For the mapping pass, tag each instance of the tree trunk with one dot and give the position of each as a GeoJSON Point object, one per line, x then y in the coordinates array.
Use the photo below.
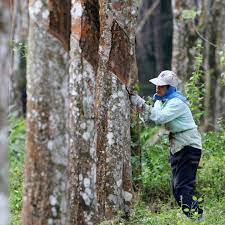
{"type": "Point", "coordinates": [102, 55]}
{"type": "Point", "coordinates": [45, 200]}
{"type": "Point", "coordinates": [18, 60]}
{"type": "Point", "coordinates": [116, 60]}
{"type": "Point", "coordinates": [4, 84]}
{"type": "Point", "coordinates": [82, 143]}
{"type": "Point", "coordinates": [184, 39]}
{"type": "Point", "coordinates": [215, 93]}
{"type": "Point", "coordinates": [154, 41]}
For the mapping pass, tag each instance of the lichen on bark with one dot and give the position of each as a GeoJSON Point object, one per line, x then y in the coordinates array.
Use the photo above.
{"type": "Point", "coordinates": [45, 200]}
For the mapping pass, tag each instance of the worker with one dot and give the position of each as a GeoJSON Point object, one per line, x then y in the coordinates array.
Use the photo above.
{"type": "Point", "coordinates": [171, 109]}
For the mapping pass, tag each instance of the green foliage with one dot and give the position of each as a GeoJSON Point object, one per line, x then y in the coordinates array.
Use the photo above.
{"type": "Point", "coordinates": [154, 164]}
{"type": "Point", "coordinates": [142, 215]}
{"type": "Point", "coordinates": [19, 47]}
{"type": "Point", "coordinates": [16, 167]}
{"type": "Point", "coordinates": [194, 88]}
{"type": "Point", "coordinates": [222, 63]}
{"type": "Point", "coordinates": [190, 14]}
{"type": "Point", "coordinates": [222, 57]}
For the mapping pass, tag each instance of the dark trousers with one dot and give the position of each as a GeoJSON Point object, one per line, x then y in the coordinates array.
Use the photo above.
{"type": "Point", "coordinates": [184, 168]}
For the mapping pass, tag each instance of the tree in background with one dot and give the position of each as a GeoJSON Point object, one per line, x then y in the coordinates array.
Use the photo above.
{"type": "Point", "coordinates": [214, 15]}
{"type": "Point", "coordinates": [194, 20]}
{"type": "Point", "coordinates": [154, 40]}
{"type": "Point", "coordinates": [19, 33]}
{"type": "Point", "coordinates": [4, 84]}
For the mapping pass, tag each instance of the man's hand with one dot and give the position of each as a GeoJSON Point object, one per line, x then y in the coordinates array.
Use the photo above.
{"type": "Point", "coordinates": [139, 102]}
{"type": "Point", "coordinates": [141, 110]}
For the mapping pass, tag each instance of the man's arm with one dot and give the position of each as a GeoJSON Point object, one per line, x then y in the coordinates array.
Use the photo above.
{"type": "Point", "coordinates": [173, 109]}
{"type": "Point", "coordinates": [141, 107]}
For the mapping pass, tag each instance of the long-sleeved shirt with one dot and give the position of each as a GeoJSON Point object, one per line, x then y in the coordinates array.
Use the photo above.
{"type": "Point", "coordinates": [178, 120]}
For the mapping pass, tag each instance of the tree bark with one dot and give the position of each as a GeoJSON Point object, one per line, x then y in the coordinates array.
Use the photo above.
{"type": "Point", "coordinates": [85, 32]}
{"type": "Point", "coordinates": [4, 99]}
{"type": "Point", "coordinates": [45, 199]}
{"type": "Point", "coordinates": [117, 60]}
{"type": "Point", "coordinates": [215, 93]}
{"type": "Point", "coordinates": [102, 59]}
{"type": "Point", "coordinates": [184, 39]}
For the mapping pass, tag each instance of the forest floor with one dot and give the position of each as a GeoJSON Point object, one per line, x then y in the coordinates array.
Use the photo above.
{"type": "Point", "coordinates": [154, 203]}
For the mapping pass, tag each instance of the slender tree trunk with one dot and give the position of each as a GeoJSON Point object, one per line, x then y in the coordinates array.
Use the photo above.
{"type": "Point", "coordinates": [154, 41]}
{"type": "Point", "coordinates": [4, 97]}
{"type": "Point", "coordinates": [102, 49]}
{"type": "Point", "coordinates": [215, 93]}
{"type": "Point", "coordinates": [18, 60]}
{"type": "Point", "coordinates": [45, 200]}
{"type": "Point", "coordinates": [184, 39]}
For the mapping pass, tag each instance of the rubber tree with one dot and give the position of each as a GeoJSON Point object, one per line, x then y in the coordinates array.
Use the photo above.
{"type": "Point", "coordinates": [214, 15]}
{"type": "Point", "coordinates": [45, 199]}
{"type": "Point", "coordinates": [184, 39]}
{"type": "Point", "coordinates": [4, 99]}
{"type": "Point", "coordinates": [154, 41]}
{"type": "Point", "coordinates": [102, 62]}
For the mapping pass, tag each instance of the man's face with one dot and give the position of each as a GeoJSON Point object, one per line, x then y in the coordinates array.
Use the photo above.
{"type": "Point", "coordinates": [161, 90]}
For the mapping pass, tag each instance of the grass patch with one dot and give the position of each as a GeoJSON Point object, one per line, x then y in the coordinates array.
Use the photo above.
{"type": "Point", "coordinates": [16, 168]}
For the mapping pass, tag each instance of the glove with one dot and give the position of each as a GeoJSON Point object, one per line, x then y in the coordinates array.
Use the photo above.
{"type": "Point", "coordinates": [137, 101]}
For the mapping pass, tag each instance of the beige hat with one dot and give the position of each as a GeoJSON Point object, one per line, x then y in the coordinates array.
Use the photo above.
{"type": "Point", "coordinates": [166, 77]}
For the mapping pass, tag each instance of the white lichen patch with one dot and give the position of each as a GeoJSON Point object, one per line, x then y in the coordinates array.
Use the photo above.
{"type": "Point", "coordinates": [36, 7]}
{"type": "Point", "coordinates": [110, 138]}
{"type": "Point", "coordinates": [87, 217]}
{"type": "Point", "coordinates": [89, 193]}
{"type": "Point", "coordinates": [86, 198]}
{"type": "Point", "coordinates": [80, 177]}
{"type": "Point", "coordinates": [114, 95]}
{"type": "Point", "coordinates": [34, 114]}
{"type": "Point", "coordinates": [76, 10]}
{"type": "Point", "coordinates": [39, 13]}
{"type": "Point", "coordinates": [50, 221]}
{"type": "Point", "coordinates": [119, 182]}
{"type": "Point", "coordinates": [133, 12]}
{"type": "Point", "coordinates": [83, 125]}
{"type": "Point", "coordinates": [50, 145]}
{"type": "Point", "coordinates": [73, 92]}
{"type": "Point", "coordinates": [120, 94]}
{"type": "Point", "coordinates": [87, 182]}
{"type": "Point", "coordinates": [92, 151]}
{"type": "Point", "coordinates": [86, 136]}
{"type": "Point", "coordinates": [112, 198]}
{"type": "Point", "coordinates": [54, 212]}
{"type": "Point", "coordinates": [45, 14]}
{"type": "Point", "coordinates": [53, 200]}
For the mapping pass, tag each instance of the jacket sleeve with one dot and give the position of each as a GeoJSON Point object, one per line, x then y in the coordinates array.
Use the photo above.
{"type": "Point", "coordinates": [173, 109]}
{"type": "Point", "coordinates": [161, 115]}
